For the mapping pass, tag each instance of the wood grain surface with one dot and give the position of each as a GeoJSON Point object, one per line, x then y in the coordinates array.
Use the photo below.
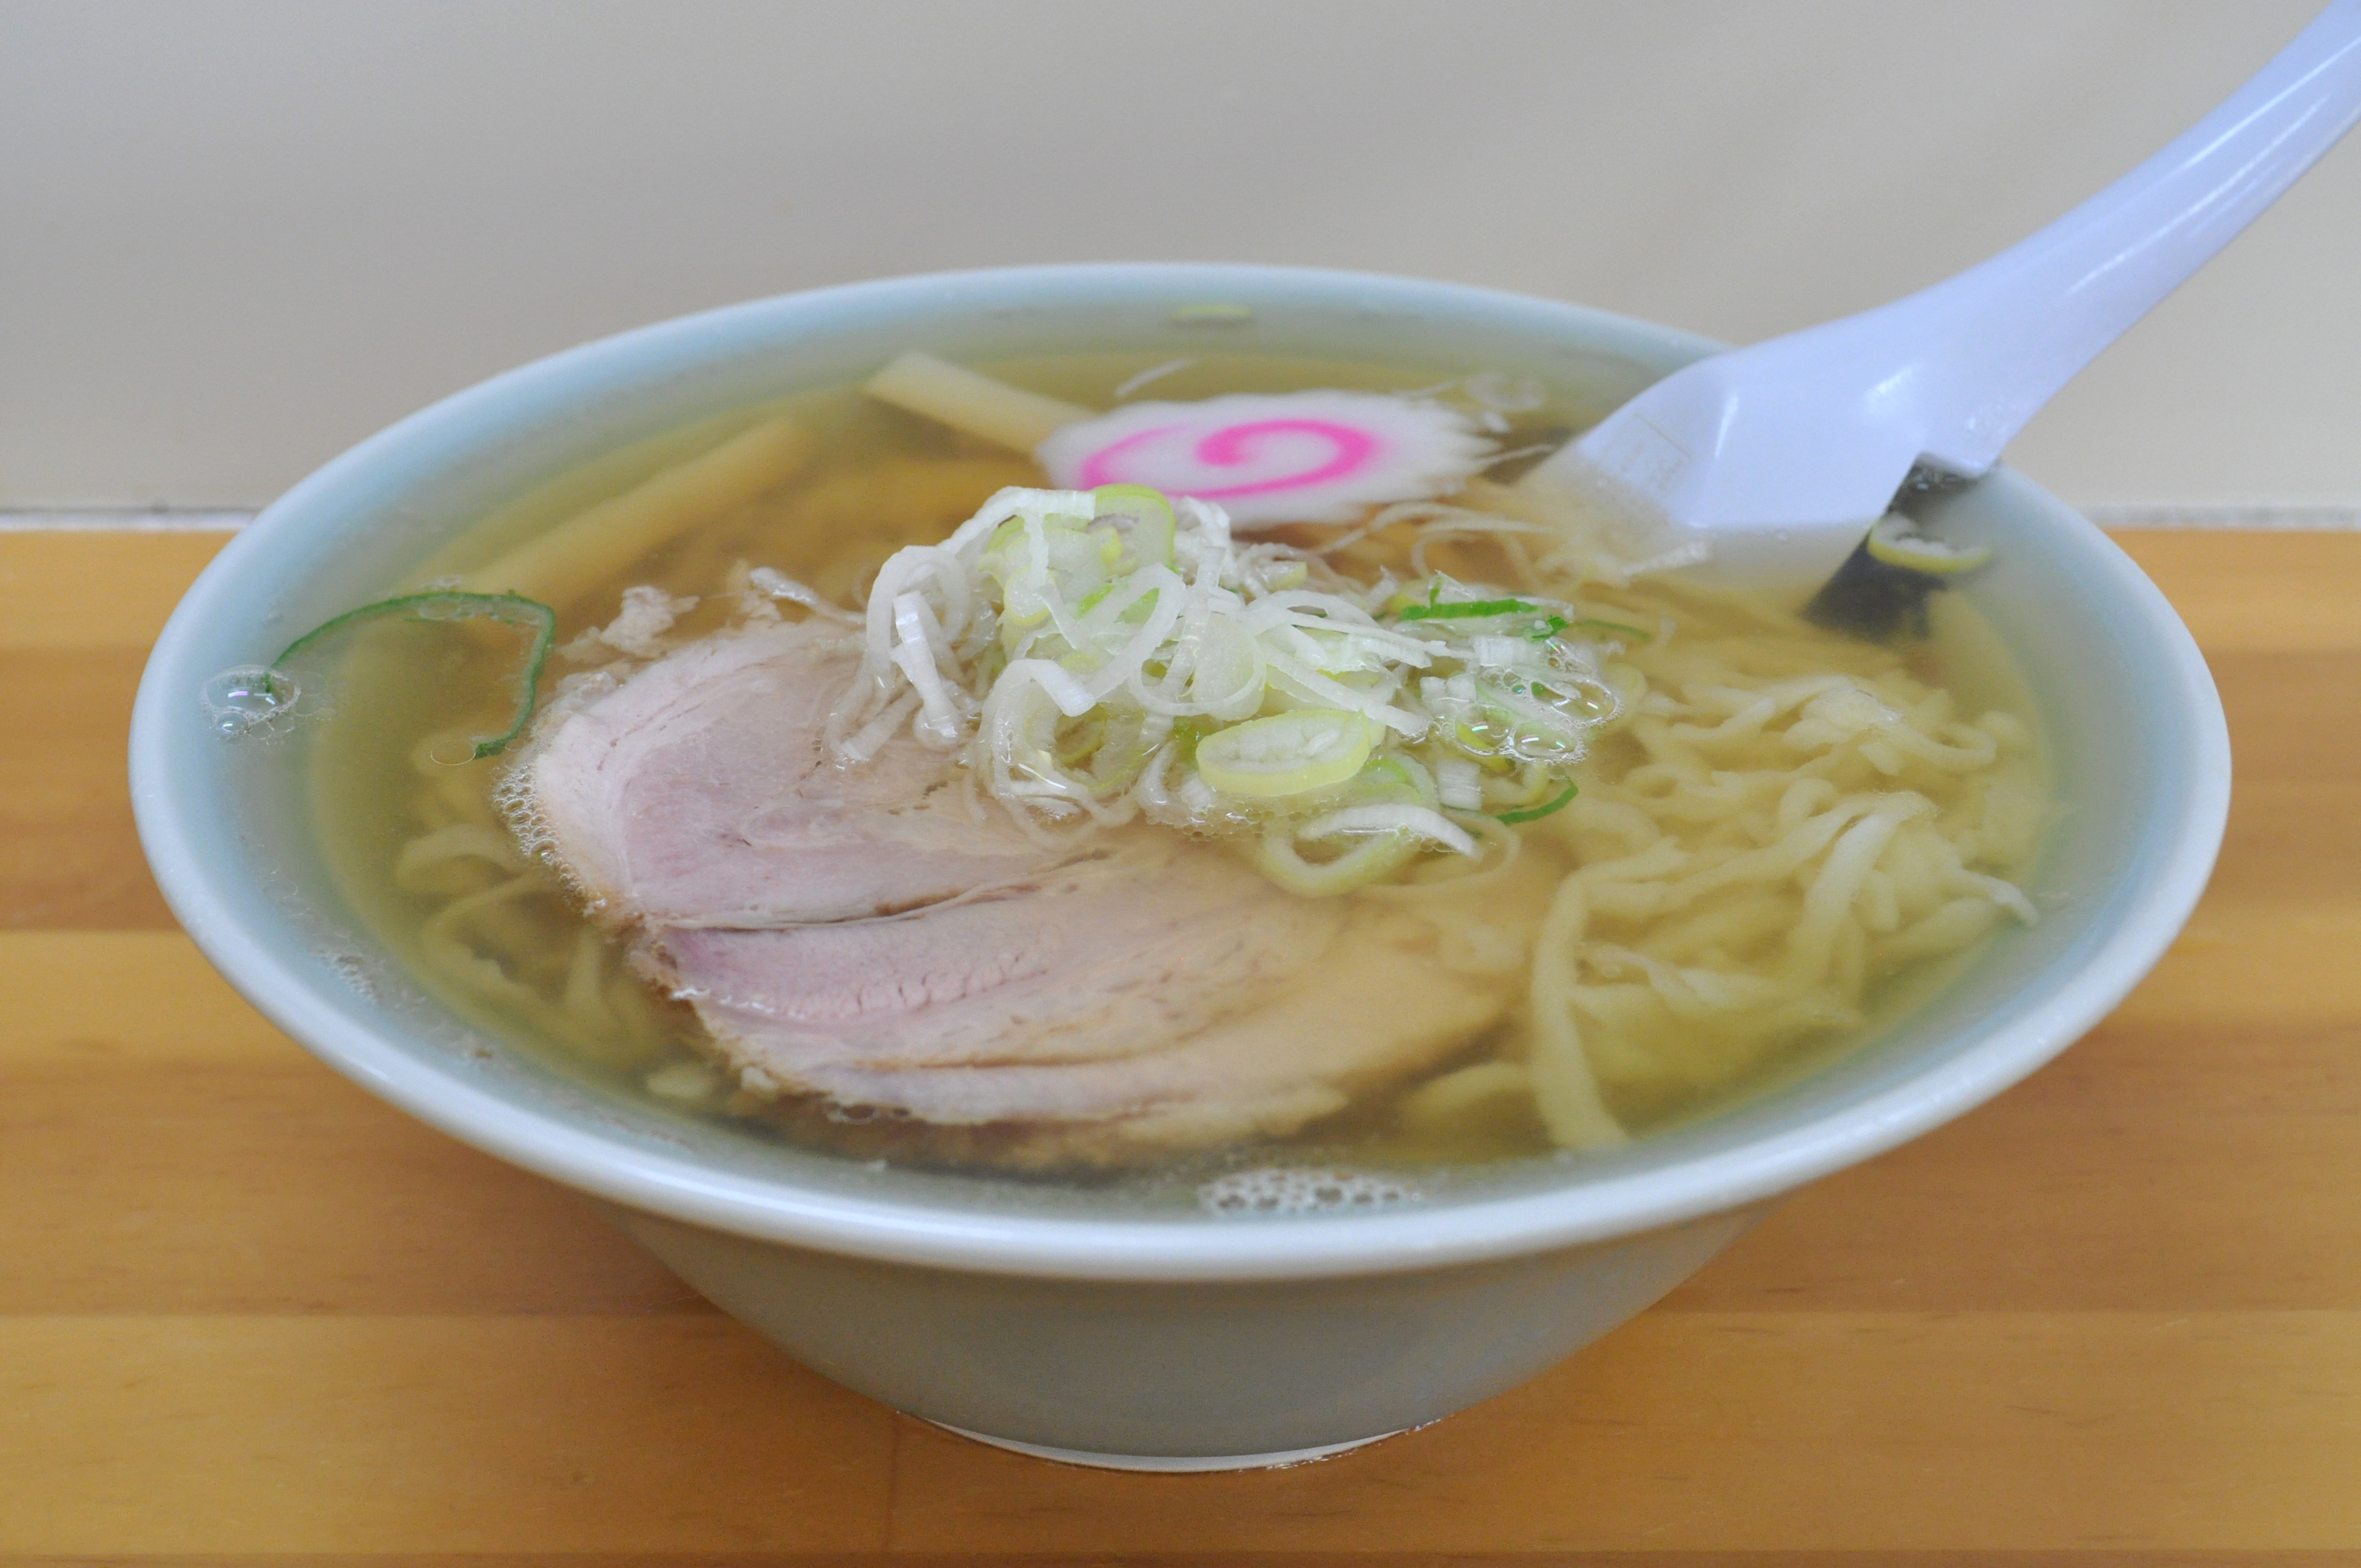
{"type": "Point", "coordinates": [2112, 1318]}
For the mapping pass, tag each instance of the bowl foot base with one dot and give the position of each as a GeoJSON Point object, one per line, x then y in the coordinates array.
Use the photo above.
{"type": "Point", "coordinates": [1169, 1464]}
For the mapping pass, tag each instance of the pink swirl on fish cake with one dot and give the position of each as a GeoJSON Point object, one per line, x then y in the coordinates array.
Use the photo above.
{"type": "Point", "coordinates": [1297, 457]}
{"type": "Point", "coordinates": [1234, 446]}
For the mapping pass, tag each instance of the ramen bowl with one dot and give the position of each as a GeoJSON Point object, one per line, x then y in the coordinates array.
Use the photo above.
{"type": "Point", "coordinates": [1081, 1321]}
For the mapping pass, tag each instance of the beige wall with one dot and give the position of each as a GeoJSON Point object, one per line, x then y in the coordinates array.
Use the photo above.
{"type": "Point", "coordinates": [237, 237]}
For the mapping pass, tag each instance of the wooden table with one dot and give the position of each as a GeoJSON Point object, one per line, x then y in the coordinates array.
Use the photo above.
{"type": "Point", "coordinates": [2115, 1317]}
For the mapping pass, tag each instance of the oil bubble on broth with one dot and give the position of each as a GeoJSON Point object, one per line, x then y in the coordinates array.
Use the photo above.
{"type": "Point", "coordinates": [1439, 830]}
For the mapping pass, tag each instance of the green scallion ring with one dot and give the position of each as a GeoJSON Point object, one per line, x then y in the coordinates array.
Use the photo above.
{"type": "Point", "coordinates": [1893, 542]}
{"type": "Point", "coordinates": [1535, 813]}
{"type": "Point", "coordinates": [511, 610]}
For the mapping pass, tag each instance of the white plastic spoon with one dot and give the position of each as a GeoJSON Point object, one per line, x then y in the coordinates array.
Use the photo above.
{"type": "Point", "coordinates": [1781, 455]}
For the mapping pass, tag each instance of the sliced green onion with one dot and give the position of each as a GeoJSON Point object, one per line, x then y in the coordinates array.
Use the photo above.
{"type": "Point", "coordinates": [1152, 523]}
{"type": "Point", "coordinates": [1425, 821]}
{"type": "Point", "coordinates": [1375, 859]}
{"type": "Point", "coordinates": [1459, 784]}
{"type": "Point", "coordinates": [510, 609]}
{"type": "Point", "coordinates": [1076, 744]}
{"type": "Point", "coordinates": [1535, 813]}
{"type": "Point", "coordinates": [1115, 754]}
{"type": "Point", "coordinates": [1042, 570]}
{"type": "Point", "coordinates": [1295, 753]}
{"type": "Point", "coordinates": [1384, 777]}
{"type": "Point", "coordinates": [1471, 609]}
{"type": "Point", "coordinates": [1548, 628]}
{"type": "Point", "coordinates": [1893, 542]}
{"type": "Point", "coordinates": [1531, 783]}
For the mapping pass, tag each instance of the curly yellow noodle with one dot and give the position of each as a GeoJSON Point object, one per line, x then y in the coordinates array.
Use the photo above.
{"type": "Point", "coordinates": [1779, 821]}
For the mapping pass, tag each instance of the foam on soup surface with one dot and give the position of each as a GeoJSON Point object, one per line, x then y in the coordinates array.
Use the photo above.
{"type": "Point", "coordinates": [725, 875]}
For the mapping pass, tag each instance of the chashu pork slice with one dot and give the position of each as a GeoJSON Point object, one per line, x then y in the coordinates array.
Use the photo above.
{"type": "Point", "coordinates": [1374, 1015]}
{"type": "Point", "coordinates": [699, 793]}
{"type": "Point", "coordinates": [1143, 939]}
{"type": "Point", "coordinates": [864, 936]}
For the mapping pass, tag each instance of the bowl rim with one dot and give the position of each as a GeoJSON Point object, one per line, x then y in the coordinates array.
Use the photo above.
{"type": "Point", "coordinates": [1598, 1208]}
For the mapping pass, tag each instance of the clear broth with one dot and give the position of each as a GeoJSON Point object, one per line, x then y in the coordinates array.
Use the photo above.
{"type": "Point", "coordinates": [883, 478]}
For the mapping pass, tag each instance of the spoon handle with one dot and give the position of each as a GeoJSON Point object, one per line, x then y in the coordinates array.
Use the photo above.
{"type": "Point", "coordinates": [1785, 451]}
{"type": "Point", "coordinates": [2002, 338]}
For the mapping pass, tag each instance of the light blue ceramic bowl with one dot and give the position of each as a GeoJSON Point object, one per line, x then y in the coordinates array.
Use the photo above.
{"type": "Point", "coordinates": [1086, 1324]}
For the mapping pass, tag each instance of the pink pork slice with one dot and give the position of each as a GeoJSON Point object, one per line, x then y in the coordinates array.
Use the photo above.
{"type": "Point", "coordinates": [864, 935]}
{"type": "Point", "coordinates": [698, 794]}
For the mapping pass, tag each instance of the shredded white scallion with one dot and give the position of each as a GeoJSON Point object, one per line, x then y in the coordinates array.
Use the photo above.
{"type": "Point", "coordinates": [1079, 646]}
{"type": "Point", "coordinates": [1415, 820]}
{"type": "Point", "coordinates": [1460, 782]}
